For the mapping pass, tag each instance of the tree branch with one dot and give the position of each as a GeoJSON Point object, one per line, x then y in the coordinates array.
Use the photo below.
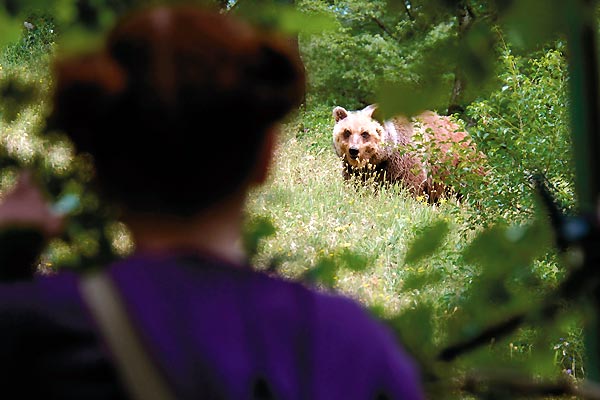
{"type": "Point", "coordinates": [385, 28]}
{"type": "Point", "coordinates": [223, 4]}
{"type": "Point", "coordinates": [466, 17]}
{"type": "Point", "coordinates": [579, 282]}
{"type": "Point", "coordinates": [484, 337]}
{"type": "Point", "coordinates": [407, 7]}
{"type": "Point", "coordinates": [516, 385]}
{"type": "Point", "coordinates": [233, 6]}
{"type": "Point", "coordinates": [499, 330]}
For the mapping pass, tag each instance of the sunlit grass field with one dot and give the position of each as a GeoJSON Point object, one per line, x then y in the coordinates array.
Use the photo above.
{"type": "Point", "coordinates": [316, 213]}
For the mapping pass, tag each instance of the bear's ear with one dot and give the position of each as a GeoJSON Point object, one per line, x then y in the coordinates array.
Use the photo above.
{"type": "Point", "coordinates": [369, 110]}
{"type": "Point", "coordinates": [339, 113]}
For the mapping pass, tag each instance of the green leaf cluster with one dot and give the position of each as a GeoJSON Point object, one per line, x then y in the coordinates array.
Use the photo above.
{"type": "Point", "coordinates": [523, 128]}
{"type": "Point", "coordinates": [326, 269]}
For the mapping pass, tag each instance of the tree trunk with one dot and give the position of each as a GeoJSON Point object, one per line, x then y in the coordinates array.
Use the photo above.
{"type": "Point", "coordinates": [465, 21]}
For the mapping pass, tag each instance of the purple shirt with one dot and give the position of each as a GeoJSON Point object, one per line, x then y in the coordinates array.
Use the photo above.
{"type": "Point", "coordinates": [215, 330]}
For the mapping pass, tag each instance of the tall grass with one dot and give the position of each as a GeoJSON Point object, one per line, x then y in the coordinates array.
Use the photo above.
{"type": "Point", "coordinates": [317, 213]}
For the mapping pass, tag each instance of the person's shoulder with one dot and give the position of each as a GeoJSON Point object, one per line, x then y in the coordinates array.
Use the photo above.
{"type": "Point", "coordinates": [339, 315]}
{"type": "Point", "coordinates": [349, 344]}
{"type": "Point", "coordinates": [364, 350]}
{"type": "Point", "coordinates": [43, 293]}
{"type": "Point", "coordinates": [39, 311]}
{"type": "Point", "coordinates": [335, 315]}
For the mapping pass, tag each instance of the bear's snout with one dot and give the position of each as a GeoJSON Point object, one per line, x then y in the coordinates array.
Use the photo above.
{"type": "Point", "coordinates": [353, 151]}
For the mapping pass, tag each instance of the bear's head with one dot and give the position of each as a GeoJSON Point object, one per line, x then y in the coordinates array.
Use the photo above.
{"type": "Point", "coordinates": [357, 138]}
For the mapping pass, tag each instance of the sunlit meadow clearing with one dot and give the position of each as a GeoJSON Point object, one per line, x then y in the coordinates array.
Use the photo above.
{"type": "Point", "coordinates": [316, 213]}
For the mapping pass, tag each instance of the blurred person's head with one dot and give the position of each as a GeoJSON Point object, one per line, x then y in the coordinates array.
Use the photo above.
{"type": "Point", "coordinates": [176, 107]}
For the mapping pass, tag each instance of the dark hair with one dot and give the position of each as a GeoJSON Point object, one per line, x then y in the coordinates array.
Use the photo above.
{"type": "Point", "coordinates": [175, 107]}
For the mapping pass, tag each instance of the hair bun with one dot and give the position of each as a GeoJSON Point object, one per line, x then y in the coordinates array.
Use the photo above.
{"type": "Point", "coordinates": [85, 89]}
{"type": "Point", "coordinates": [177, 93]}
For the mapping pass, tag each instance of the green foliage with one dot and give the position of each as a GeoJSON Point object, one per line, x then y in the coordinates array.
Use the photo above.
{"type": "Point", "coordinates": [408, 58]}
{"type": "Point", "coordinates": [427, 242]}
{"type": "Point", "coordinates": [66, 177]}
{"type": "Point", "coordinates": [23, 64]}
{"type": "Point", "coordinates": [285, 17]}
{"type": "Point", "coordinates": [255, 230]}
{"type": "Point", "coordinates": [523, 129]}
{"type": "Point", "coordinates": [315, 126]}
{"type": "Point", "coordinates": [327, 267]}
{"type": "Point", "coordinates": [324, 272]}
{"type": "Point", "coordinates": [419, 338]}
{"type": "Point", "coordinates": [501, 247]}
{"type": "Point", "coordinates": [507, 283]}
{"type": "Point", "coordinates": [501, 285]}
{"type": "Point", "coordinates": [420, 280]}
{"type": "Point", "coordinates": [405, 57]}
{"type": "Point", "coordinates": [344, 64]}
{"type": "Point", "coordinates": [16, 93]}
{"type": "Point", "coordinates": [528, 33]}
{"type": "Point", "coordinates": [34, 41]}
{"type": "Point", "coordinates": [9, 29]}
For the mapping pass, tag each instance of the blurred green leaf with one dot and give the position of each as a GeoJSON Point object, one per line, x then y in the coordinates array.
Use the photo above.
{"type": "Point", "coordinates": [78, 39]}
{"type": "Point", "coordinates": [477, 59]}
{"type": "Point", "coordinates": [256, 230]}
{"type": "Point", "coordinates": [415, 329]}
{"type": "Point", "coordinates": [15, 94]}
{"type": "Point", "coordinates": [286, 18]}
{"type": "Point", "coordinates": [351, 260]}
{"type": "Point", "coordinates": [507, 281]}
{"type": "Point", "coordinates": [428, 241]}
{"type": "Point", "coordinates": [501, 248]}
{"type": "Point", "coordinates": [397, 98]}
{"type": "Point", "coordinates": [65, 12]}
{"type": "Point", "coordinates": [377, 310]}
{"type": "Point", "coordinates": [417, 281]}
{"type": "Point", "coordinates": [326, 268]}
{"type": "Point", "coordinates": [10, 29]}
{"type": "Point", "coordinates": [530, 24]}
{"type": "Point", "coordinates": [324, 272]}
{"type": "Point", "coordinates": [292, 20]}
{"type": "Point", "coordinates": [16, 7]}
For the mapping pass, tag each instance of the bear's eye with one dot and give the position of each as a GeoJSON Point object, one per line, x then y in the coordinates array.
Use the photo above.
{"type": "Point", "coordinates": [365, 135]}
{"type": "Point", "coordinates": [346, 134]}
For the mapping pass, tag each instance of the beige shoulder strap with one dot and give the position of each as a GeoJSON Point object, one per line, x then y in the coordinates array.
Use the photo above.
{"type": "Point", "coordinates": [137, 370]}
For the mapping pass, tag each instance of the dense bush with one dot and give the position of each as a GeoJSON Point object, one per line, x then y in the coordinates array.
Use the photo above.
{"type": "Point", "coordinates": [371, 45]}
{"type": "Point", "coordinates": [91, 237]}
{"type": "Point", "coordinates": [523, 128]}
{"type": "Point", "coordinates": [38, 38]}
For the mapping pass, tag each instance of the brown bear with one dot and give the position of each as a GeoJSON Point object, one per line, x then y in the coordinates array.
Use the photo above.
{"type": "Point", "coordinates": [420, 153]}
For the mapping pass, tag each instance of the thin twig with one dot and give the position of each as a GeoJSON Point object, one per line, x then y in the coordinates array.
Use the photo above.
{"type": "Point", "coordinates": [406, 4]}
{"type": "Point", "coordinates": [385, 28]}
{"type": "Point", "coordinates": [233, 6]}
{"type": "Point", "coordinates": [578, 283]}
{"type": "Point", "coordinates": [482, 338]}
{"type": "Point", "coordinates": [518, 386]}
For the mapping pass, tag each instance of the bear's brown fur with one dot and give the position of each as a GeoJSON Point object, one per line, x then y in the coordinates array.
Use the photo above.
{"type": "Point", "coordinates": [418, 153]}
